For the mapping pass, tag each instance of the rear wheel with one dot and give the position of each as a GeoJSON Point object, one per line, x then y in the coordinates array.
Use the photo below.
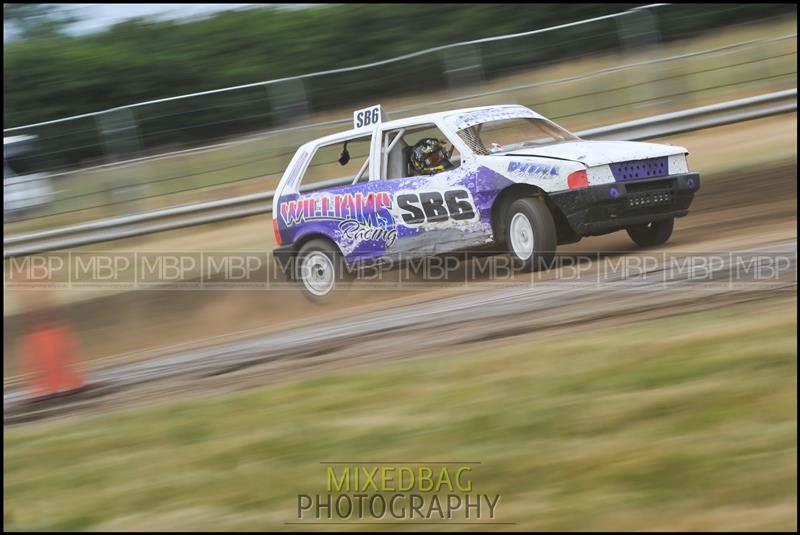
{"type": "Point", "coordinates": [320, 269]}
{"type": "Point", "coordinates": [652, 233]}
{"type": "Point", "coordinates": [530, 234]}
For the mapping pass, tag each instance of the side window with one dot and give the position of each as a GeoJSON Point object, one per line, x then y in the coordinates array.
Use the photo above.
{"type": "Point", "coordinates": [338, 161]}
{"type": "Point", "coordinates": [397, 147]}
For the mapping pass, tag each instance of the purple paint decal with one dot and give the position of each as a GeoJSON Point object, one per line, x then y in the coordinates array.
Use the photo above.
{"type": "Point", "coordinates": [359, 216]}
{"type": "Point", "coordinates": [471, 118]}
{"type": "Point", "coordinates": [525, 168]}
{"type": "Point", "coordinates": [406, 216]}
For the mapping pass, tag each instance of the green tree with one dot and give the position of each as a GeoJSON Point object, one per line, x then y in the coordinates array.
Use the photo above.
{"type": "Point", "coordinates": [49, 74]}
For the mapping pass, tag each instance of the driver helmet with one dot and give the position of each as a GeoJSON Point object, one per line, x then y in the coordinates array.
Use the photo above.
{"type": "Point", "coordinates": [429, 157]}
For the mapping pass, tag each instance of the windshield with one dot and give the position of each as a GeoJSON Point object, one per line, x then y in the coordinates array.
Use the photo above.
{"type": "Point", "coordinates": [506, 135]}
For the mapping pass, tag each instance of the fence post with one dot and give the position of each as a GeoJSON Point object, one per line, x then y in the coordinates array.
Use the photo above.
{"type": "Point", "coordinates": [639, 33]}
{"type": "Point", "coordinates": [288, 101]}
{"type": "Point", "coordinates": [290, 104]}
{"type": "Point", "coordinates": [462, 66]}
{"type": "Point", "coordinates": [119, 134]}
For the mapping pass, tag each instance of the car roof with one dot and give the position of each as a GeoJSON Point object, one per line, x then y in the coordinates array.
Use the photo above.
{"type": "Point", "coordinates": [445, 116]}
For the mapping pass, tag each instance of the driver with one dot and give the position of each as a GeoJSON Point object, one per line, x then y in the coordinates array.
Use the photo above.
{"type": "Point", "coordinates": [429, 157]}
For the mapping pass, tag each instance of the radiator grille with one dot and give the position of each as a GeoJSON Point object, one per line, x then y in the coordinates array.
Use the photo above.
{"type": "Point", "coordinates": [638, 169]}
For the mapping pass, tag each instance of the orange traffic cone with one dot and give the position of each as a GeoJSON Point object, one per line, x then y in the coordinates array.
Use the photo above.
{"type": "Point", "coordinates": [49, 356]}
{"type": "Point", "coordinates": [49, 351]}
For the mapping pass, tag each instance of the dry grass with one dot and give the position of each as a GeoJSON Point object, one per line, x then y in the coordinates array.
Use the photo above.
{"type": "Point", "coordinates": [686, 423]}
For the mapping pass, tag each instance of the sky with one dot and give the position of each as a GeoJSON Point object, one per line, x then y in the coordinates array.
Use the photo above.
{"type": "Point", "coordinates": [99, 16]}
{"type": "Point", "coordinates": [96, 17]}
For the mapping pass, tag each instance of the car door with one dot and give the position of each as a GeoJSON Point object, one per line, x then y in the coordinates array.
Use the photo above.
{"type": "Point", "coordinates": [432, 213]}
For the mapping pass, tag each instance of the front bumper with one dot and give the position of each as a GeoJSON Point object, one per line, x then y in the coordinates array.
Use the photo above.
{"type": "Point", "coordinates": [606, 208]}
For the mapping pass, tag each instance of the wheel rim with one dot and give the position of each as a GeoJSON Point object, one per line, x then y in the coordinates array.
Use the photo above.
{"type": "Point", "coordinates": [521, 236]}
{"type": "Point", "coordinates": [317, 273]}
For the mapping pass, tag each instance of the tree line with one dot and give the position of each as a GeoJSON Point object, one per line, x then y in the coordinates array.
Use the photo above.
{"type": "Point", "coordinates": [50, 74]}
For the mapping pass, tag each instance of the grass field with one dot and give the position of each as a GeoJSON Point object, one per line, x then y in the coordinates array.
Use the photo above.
{"type": "Point", "coordinates": [684, 423]}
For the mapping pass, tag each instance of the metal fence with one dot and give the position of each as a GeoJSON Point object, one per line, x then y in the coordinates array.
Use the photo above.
{"type": "Point", "coordinates": [124, 161]}
{"type": "Point", "coordinates": [261, 203]}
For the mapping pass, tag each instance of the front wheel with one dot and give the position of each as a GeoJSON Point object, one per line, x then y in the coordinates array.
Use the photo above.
{"type": "Point", "coordinates": [652, 233]}
{"type": "Point", "coordinates": [320, 269]}
{"type": "Point", "coordinates": [530, 234]}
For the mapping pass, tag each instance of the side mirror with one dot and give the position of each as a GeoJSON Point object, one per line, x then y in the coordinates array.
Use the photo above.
{"type": "Point", "coordinates": [344, 156]}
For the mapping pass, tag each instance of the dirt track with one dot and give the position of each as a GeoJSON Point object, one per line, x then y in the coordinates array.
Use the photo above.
{"type": "Point", "coordinates": [743, 209]}
{"type": "Point", "coordinates": [749, 212]}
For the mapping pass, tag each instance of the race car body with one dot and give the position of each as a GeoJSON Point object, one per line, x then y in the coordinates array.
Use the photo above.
{"type": "Point", "coordinates": [512, 179]}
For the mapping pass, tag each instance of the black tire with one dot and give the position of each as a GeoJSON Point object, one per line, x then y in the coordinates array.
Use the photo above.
{"type": "Point", "coordinates": [311, 271]}
{"type": "Point", "coordinates": [544, 236]}
{"type": "Point", "coordinates": [652, 233]}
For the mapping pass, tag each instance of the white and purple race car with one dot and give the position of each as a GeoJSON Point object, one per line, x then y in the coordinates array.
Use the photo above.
{"type": "Point", "coordinates": [509, 180]}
